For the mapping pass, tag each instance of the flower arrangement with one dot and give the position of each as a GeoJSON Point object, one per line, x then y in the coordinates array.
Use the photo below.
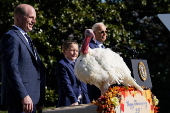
{"type": "Point", "coordinates": [155, 102]}
{"type": "Point", "coordinates": [111, 98]}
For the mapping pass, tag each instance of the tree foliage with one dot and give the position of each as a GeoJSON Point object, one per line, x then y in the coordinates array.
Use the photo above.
{"type": "Point", "coordinates": [131, 23]}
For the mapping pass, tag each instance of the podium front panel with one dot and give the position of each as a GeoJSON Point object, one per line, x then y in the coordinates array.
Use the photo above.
{"type": "Point", "coordinates": [140, 71]}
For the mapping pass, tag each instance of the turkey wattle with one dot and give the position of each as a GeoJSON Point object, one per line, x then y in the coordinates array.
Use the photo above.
{"type": "Point", "coordinates": [102, 67]}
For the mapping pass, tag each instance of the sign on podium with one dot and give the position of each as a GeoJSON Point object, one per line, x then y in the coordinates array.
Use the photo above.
{"type": "Point", "coordinates": [140, 71]}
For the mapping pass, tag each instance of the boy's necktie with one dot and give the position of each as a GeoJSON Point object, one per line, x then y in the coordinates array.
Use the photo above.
{"type": "Point", "coordinates": [72, 64]}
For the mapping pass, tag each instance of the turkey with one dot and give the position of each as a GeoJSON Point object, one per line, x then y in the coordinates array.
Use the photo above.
{"type": "Point", "coordinates": [102, 67]}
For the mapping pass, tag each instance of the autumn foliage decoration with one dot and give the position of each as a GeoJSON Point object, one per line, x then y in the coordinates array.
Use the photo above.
{"type": "Point", "coordinates": [110, 99]}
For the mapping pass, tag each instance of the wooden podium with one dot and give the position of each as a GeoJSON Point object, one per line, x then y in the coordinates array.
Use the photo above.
{"type": "Point", "coordinates": [140, 71]}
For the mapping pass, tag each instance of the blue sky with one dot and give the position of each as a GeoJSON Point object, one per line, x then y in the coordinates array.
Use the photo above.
{"type": "Point", "coordinates": [103, 0]}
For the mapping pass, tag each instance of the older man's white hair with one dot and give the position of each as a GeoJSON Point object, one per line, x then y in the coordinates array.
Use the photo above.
{"type": "Point", "coordinates": [95, 26]}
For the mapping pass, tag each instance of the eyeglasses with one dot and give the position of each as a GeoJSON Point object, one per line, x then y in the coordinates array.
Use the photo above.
{"type": "Point", "coordinates": [103, 32]}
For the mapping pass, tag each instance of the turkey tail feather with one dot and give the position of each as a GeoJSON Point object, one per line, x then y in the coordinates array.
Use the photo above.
{"type": "Point", "coordinates": [133, 83]}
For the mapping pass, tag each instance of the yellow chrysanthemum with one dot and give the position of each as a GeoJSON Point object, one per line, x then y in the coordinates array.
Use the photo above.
{"type": "Point", "coordinates": [115, 101]}
{"type": "Point", "coordinates": [156, 101]}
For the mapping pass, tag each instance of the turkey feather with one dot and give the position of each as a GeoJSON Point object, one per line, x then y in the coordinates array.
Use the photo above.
{"type": "Point", "coordinates": [102, 67]}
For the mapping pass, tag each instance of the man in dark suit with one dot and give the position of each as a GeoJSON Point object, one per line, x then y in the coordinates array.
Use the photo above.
{"type": "Point", "coordinates": [100, 32]}
{"type": "Point", "coordinates": [23, 73]}
{"type": "Point", "coordinates": [71, 91]}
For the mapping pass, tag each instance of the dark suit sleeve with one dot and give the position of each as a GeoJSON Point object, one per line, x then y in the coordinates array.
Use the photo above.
{"type": "Point", "coordinates": [86, 99]}
{"type": "Point", "coordinates": [9, 53]}
{"type": "Point", "coordinates": [42, 85]}
{"type": "Point", "coordinates": [65, 83]}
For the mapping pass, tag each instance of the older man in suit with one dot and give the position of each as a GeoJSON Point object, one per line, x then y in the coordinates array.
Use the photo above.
{"type": "Point", "coordinates": [23, 73]}
{"type": "Point", "coordinates": [100, 31]}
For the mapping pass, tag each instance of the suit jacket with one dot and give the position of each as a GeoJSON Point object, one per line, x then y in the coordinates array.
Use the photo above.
{"type": "Point", "coordinates": [22, 74]}
{"type": "Point", "coordinates": [93, 91]}
{"type": "Point", "coordinates": [92, 44]}
{"type": "Point", "coordinates": [68, 85]}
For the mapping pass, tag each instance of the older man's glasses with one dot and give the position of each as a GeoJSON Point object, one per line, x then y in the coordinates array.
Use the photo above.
{"type": "Point", "coordinates": [103, 32]}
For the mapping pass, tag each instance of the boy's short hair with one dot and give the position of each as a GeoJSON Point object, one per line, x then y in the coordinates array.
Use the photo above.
{"type": "Point", "coordinates": [67, 43]}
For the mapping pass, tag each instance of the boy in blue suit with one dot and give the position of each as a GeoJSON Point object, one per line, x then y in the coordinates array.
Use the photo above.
{"type": "Point", "coordinates": [71, 91]}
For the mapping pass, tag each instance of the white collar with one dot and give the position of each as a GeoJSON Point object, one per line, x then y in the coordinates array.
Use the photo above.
{"type": "Point", "coordinates": [99, 44]}
{"type": "Point", "coordinates": [70, 61]}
